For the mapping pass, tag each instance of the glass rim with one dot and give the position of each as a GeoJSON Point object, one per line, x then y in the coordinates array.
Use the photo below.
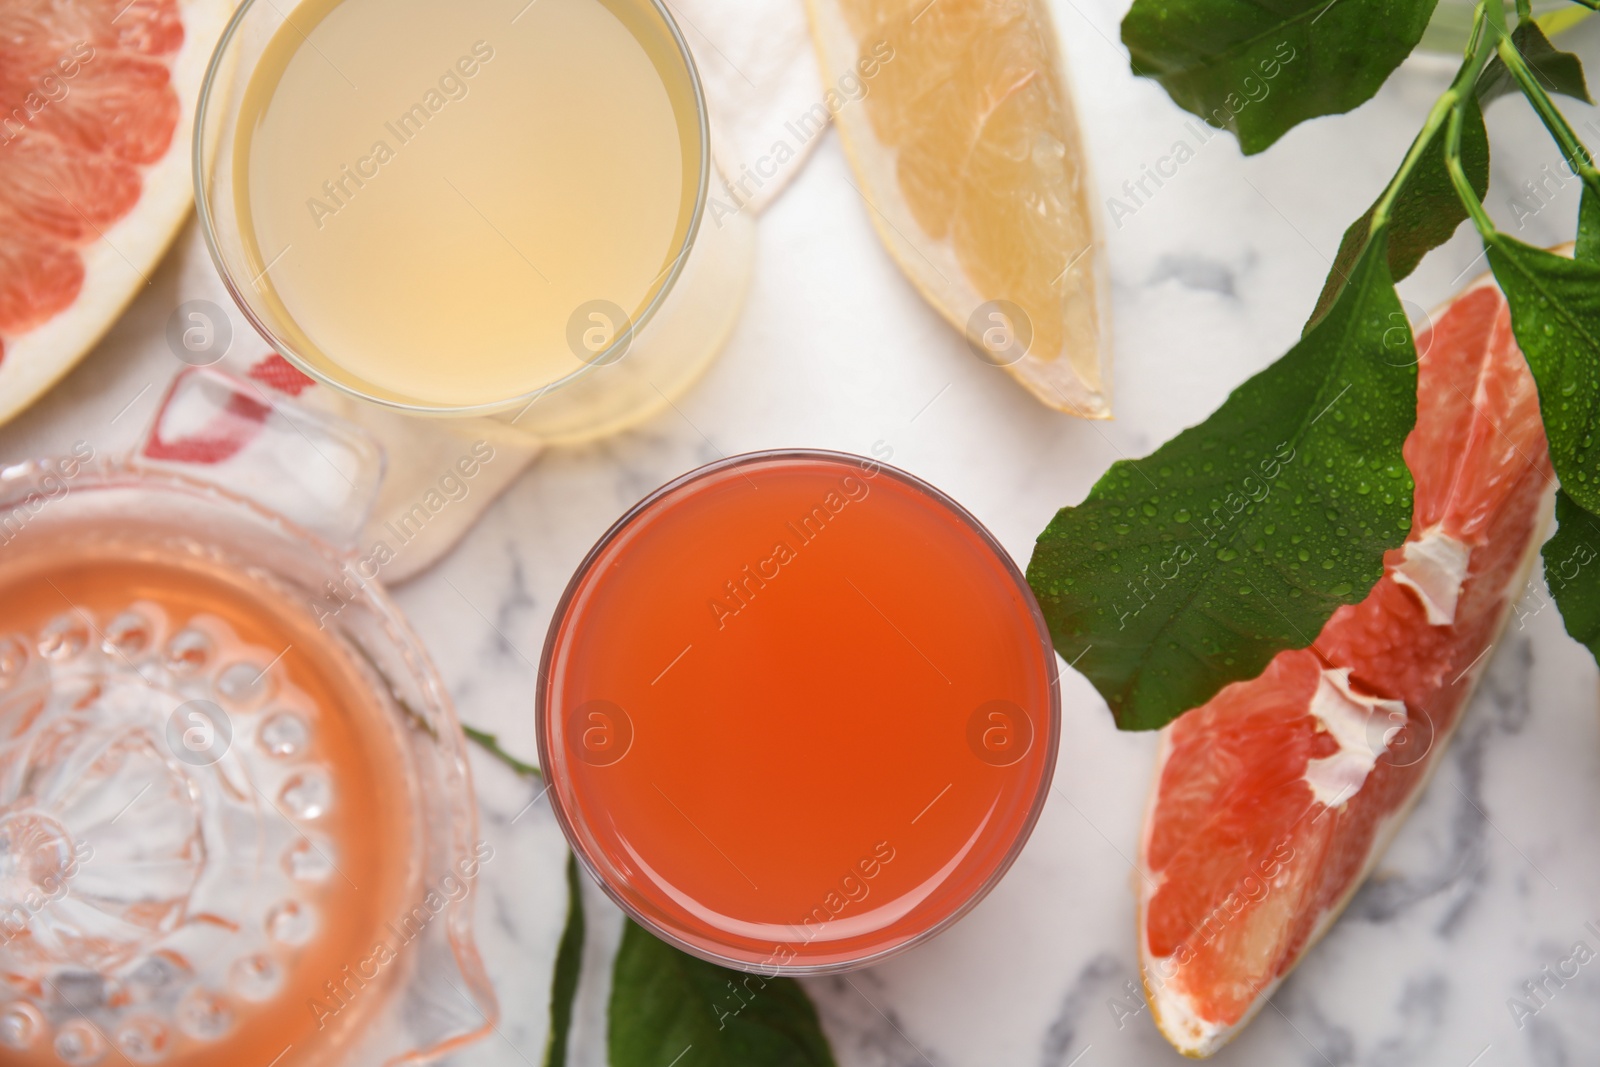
{"type": "Point", "coordinates": [652, 500]}
{"type": "Point", "coordinates": [200, 157]}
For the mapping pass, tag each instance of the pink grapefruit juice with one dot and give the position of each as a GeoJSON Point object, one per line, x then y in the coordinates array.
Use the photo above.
{"type": "Point", "coordinates": [798, 711]}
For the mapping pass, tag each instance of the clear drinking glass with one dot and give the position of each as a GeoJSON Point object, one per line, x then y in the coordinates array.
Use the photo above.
{"type": "Point", "coordinates": [624, 367]}
{"type": "Point", "coordinates": [836, 761]}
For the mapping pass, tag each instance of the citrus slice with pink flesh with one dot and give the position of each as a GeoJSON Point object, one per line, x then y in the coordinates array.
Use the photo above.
{"type": "Point", "coordinates": [96, 99]}
{"type": "Point", "coordinates": [1273, 801]}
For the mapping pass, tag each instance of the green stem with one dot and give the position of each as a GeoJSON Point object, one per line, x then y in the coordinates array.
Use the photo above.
{"type": "Point", "coordinates": [1494, 20]}
{"type": "Point", "coordinates": [491, 744]}
{"type": "Point", "coordinates": [1524, 10]}
{"type": "Point", "coordinates": [1458, 174]}
{"type": "Point", "coordinates": [1436, 117]}
{"type": "Point", "coordinates": [1478, 52]}
{"type": "Point", "coordinates": [1576, 153]}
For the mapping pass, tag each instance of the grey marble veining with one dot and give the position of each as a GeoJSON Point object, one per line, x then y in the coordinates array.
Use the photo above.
{"type": "Point", "coordinates": [1491, 880]}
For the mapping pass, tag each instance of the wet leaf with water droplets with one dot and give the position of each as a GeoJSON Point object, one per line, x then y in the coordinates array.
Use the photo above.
{"type": "Point", "coordinates": [1555, 314]}
{"type": "Point", "coordinates": [1261, 69]}
{"type": "Point", "coordinates": [1572, 571]}
{"type": "Point", "coordinates": [1588, 246]}
{"type": "Point", "coordinates": [1198, 604]}
{"type": "Point", "coordinates": [1425, 214]}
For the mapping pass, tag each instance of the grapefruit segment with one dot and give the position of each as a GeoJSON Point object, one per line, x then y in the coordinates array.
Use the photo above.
{"type": "Point", "coordinates": [119, 105]}
{"type": "Point", "coordinates": [962, 134]}
{"type": "Point", "coordinates": [59, 192]}
{"type": "Point", "coordinates": [1273, 801]}
{"type": "Point", "coordinates": [50, 27]}
{"type": "Point", "coordinates": [95, 105]}
{"type": "Point", "coordinates": [38, 278]}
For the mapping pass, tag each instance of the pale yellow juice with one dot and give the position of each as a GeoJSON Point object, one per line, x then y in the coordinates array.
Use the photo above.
{"type": "Point", "coordinates": [442, 197]}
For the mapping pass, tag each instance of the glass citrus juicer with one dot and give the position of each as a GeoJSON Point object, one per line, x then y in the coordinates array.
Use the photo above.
{"type": "Point", "coordinates": [236, 817]}
{"type": "Point", "coordinates": [473, 208]}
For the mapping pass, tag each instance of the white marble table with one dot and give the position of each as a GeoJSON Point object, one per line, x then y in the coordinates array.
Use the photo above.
{"type": "Point", "coordinates": [1493, 878]}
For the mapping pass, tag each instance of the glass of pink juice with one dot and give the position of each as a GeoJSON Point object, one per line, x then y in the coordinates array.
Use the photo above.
{"type": "Point", "coordinates": [798, 711]}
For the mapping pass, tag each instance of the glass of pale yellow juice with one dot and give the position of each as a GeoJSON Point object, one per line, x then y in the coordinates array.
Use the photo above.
{"type": "Point", "coordinates": [490, 208]}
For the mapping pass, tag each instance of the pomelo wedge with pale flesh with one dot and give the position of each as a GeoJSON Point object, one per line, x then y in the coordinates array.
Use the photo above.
{"type": "Point", "coordinates": [96, 102]}
{"type": "Point", "coordinates": [958, 123]}
{"type": "Point", "coordinates": [1273, 801]}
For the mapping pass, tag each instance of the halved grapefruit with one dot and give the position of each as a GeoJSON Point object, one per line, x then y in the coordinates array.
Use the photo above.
{"type": "Point", "coordinates": [1273, 801]}
{"type": "Point", "coordinates": [96, 102]}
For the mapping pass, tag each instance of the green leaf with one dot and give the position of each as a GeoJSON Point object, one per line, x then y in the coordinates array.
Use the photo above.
{"type": "Point", "coordinates": [1588, 247]}
{"type": "Point", "coordinates": [1192, 568]}
{"type": "Point", "coordinates": [669, 1007]}
{"type": "Point", "coordinates": [1425, 213]}
{"type": "Point", "coordinates": [1571, 571]}
{"type": "Point", "coordinates": [1558, 71]}
{"type": "Point", "coordinates": [1259, 69]}
{"type": "Point", "coordinates": [569, 962]}
{"type": "Point", "coordinates": [1555, 314]}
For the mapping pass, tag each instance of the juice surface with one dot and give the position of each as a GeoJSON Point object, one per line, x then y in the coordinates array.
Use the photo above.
{"type": "Point", "coordinates": [158, 907]}
{"type": "Point", "coordinates": [799, 709]}
{"type": "Point", "coordinates": [436, 192]}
